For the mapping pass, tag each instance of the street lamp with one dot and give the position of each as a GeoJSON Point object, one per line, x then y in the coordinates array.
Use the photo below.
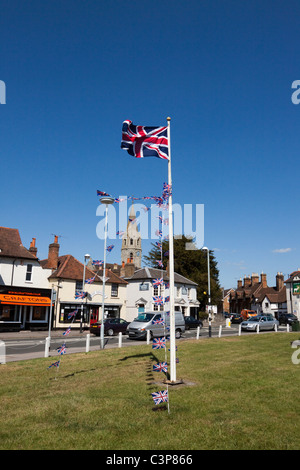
{"type": "Point", "coordinates": [209, 299]}
{"type": "Point", "coordinates": [86, 258]}
{"type": "Point", "coordinates": [104, 200]}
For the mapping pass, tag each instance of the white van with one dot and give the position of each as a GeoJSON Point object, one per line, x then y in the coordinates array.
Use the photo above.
{"type": "Point", "coordinates": [145, 321]}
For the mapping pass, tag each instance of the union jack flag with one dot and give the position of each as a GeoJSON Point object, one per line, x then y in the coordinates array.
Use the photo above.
{"type": "Point", "coordinates": [62, 349]}
{"type": "Point", "coordinates": [158, 233]}
{"type": "Point", "coordinates": [158, 282]}
{"type": "Point", "coordinates": [159, 343]}
{"type": "Point", "coordinates": [159, 245]}
{"type": "Point", "coordinates": [167, 299]}
{"type": "Point", "coordinates": [80, 295]}
{"type": "Point", "coordinates": [143, 141]}
{"type": "Point", "coordinates": [160, 263]}
{"type": "Point", "coordinates": [158, 300]}
{"type": "Point", "coordinates": [110, 247]}
{"type": "Point", "coordinates": [90, 280]}
{"type": "Point", "coordinates": [55, 364]}
{"type": "Point", "coordinates": [97, 262]}
{"type": "Point", "coordinates": [102, 193]}
{"type": "Point", "coordinates": [159, 321]}
{"type": "Point", "coordinates": [72, 314]}
{"type": "Point", "coordinates": [160, 367]}
{"type": "Point", "coordinates": [160, 397]}
{"type": "Point", "coordinates": [67, 332]}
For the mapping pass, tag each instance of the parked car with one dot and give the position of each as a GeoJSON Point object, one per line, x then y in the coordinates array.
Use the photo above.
{"type": "Point", "coordinates": [191, 322]}
{"type": "Point", "coordinates": [263, 322]}
{"type": "Point", "coordinates": [236, 318]}
{"type": "Point", "coordinates": [157, 323]}
{"type": "Point", "coordinates": [287, 318]}
{"type": "Point", "coordinates": [112, 326]}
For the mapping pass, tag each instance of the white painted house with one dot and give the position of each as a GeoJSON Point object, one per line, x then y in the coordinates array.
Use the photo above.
{"type": "Point", "coordinates": [140, 293]}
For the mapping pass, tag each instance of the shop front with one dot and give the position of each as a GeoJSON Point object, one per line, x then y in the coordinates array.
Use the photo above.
{"type": "Point", "coordinates": [89, 312]}
{"type": "Point", "coordinates": [24, 308]}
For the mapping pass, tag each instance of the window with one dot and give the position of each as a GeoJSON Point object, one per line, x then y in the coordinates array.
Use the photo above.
{"type": "Point", "coordinates": [131, 241]}
{"type": "Point", "coordinates": [78, 285]}
{"type": "Point", "coordinates": [29, 272]}
{"type": "Point", "coordinates": [114, 290]}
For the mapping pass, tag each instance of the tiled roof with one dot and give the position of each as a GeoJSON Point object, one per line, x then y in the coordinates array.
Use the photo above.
{"type": "Point", "coordinates": [11, 244]}
{"type": "Point", "coordinates": [70, 268]}
{"type": "Point", "coordinates": [153, 273]}
{"type": "Point", "coordinates": [292, 275]}
{"type": "Point", "coordinates": [273, 295]}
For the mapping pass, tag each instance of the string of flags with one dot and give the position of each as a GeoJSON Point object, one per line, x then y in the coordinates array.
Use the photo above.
{"type": "Point", "coordinates": [61, 350]}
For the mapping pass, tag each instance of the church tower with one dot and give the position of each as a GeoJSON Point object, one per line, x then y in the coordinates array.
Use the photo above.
{"type": "Point", "coordinates": [131, 251]}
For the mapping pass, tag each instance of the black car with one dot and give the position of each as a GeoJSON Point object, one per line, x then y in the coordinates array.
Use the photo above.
{"type": "Point", "coordinates": [236, 318]}
{"type": "Point", "coordinates": [287, 318]}
{"type": "Point", "coordinates": [112, 326]}
{"type": "Point", "coordinates": [191, 322]}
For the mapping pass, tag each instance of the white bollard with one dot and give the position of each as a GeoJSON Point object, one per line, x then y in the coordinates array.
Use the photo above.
{"type": "Point", "coordinates": [2, 353]}
{"type": "Point", "coordinates": [47, 346]}
{"type": "Point", "coordinates": [276, 329]}
{"type": "Point", "coordinates": [257, 329]}
{"type": "Point", "coordinates": [120, 339]}
{"type": "Point", "coordinates": [287, 328]}
{"type": "Point", "coordinates": [198, 332]}
{"type": "Point", "coordinates": [148, 336]}
{"type": "Point", "coordinates": [228, 323]}
{"type": "Point", "coordinates": [87, 344]}
{"type": "Point", "coordinates": [240, 329]}
{"type": "Point", "coordinates": [220, 331]}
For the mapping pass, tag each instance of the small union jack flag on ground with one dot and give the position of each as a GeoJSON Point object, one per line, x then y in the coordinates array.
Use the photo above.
{"type": "Point", "coordinates": [158, 300]}
{"type": "Point", "coordinates": [160, 397]}
{"type": "Point", "coordinates": [62, 349]}
{"type": "Point", "coordinates": [142, 141]}
{"type": "Point", "coordinates": [55, 364]}
{"type": "Point", "coordinates": [159, 343]}
{"type": "Point", "coordinates": [160, 367]}
{"type": "Point", "coordinates": [67, 331]}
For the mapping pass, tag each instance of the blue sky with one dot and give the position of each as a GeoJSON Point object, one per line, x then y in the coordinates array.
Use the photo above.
{"type": "Point", "coordinates": [74, 71]}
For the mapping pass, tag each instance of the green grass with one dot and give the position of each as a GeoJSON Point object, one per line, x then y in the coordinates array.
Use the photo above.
{"type": "Point", "coordinates": [245, 396]}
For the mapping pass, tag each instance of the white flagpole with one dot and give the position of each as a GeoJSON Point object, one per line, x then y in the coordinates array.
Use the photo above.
{"type": "Point", "coordinates": [171, 268]}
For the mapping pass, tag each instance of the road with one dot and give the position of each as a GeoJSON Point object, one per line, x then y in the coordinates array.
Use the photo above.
{"type": "Point", "coordinates": [22, 348]}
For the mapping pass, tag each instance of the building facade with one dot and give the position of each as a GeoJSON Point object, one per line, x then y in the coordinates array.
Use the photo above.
{"type": "Point", "coordinates": [25, 297]}
{"type": "Point", "coordinates": [293, 293]}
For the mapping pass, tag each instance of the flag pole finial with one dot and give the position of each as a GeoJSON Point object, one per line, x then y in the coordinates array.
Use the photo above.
{"type": "Point", "coordinates": [168, 119]}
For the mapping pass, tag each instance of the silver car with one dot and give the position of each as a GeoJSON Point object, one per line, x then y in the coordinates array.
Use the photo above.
{"type": "Point", "coordinates": [261, 322]}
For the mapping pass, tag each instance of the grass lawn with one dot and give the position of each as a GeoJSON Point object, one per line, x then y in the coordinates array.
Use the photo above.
{"type": "Point", "coordinates": [243, 394]}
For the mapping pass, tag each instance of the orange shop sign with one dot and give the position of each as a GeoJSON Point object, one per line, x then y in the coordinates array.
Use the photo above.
{"type": "Point", "coordinates": [9, 299]}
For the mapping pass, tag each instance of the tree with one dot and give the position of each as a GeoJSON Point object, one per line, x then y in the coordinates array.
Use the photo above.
{"type": "Point", "coordinates": [191, 264]}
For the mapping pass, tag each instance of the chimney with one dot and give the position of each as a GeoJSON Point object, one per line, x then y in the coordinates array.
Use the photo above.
{"type": "Point", "coordinates": [129, 269]}
{"type": "Point", "coordinates": [279, 281]}
{"type": "Point", "coordinates": [122, 270]}
{"type": "Point", "coordinates": [263, 280]}
{"type": "Point", "coordinates": [53, 254]}
{"type": "Point", "coordinates": [239, 284]}
{"type": "Point", "coordinates": [33, 248]}
{"type": "Point", "coordinates": [254, 278]}
{"type": "Point", "coordinates": [247, 281]}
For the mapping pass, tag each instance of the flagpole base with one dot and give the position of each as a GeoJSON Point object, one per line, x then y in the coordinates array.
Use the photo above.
{"type": "Point", "coordinates": [173, 382]}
